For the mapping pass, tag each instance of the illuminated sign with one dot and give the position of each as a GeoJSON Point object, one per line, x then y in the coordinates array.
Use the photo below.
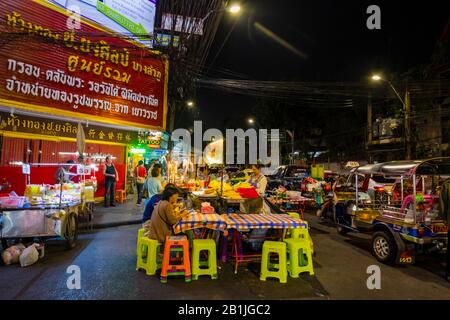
{"type": "Point", "coordinates": [135, 19]}
{"type": "Point", "coordinates": [87, 74]}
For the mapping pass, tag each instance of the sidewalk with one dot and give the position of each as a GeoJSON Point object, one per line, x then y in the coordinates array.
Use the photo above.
{"type": "Point", "coordinates": [123, 214]}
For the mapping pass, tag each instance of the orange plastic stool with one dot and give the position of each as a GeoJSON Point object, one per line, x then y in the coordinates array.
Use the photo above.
{"type": "Point", "coordinates": [176, 244]}
{"type": "Point", "coordinates": [121, 196]}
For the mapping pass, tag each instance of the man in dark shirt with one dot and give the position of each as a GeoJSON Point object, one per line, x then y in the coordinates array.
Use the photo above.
{"type": "Point", "coordinates": [150, 206]}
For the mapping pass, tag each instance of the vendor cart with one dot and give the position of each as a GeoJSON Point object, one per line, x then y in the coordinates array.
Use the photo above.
{"type": "Point", "coordinates": [45, 211]}
{"type": "Point", "coordinates": [40, 223]}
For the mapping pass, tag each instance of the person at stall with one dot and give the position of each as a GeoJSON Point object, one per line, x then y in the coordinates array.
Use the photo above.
{"type": "Point", "coordinates": [65, 173]}
{"type": "Point", "coordinates": [111, 177]}
{"type": "Point", "coordinates": [255, 238]}
{"type": "Point", "coordinates": [203, 174]}
{"type": "Point", "coordinates": [153, 184]}
{"type": "Point", "coordinates": [158, 167]}
{"type": "Point", "coordinates": [140, 173]}
{"type": "Point", "coordinates": [151, 203]}
{"type": "Point", "coordinates": [258, 180]}
{"type": "Point", "coordinates": [165, 215]}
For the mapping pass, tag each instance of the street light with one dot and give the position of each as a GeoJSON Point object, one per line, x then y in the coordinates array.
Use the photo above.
{"type": "Point", "coordinates": [190, 103]}
{"type": "Point", "coordinates": [406, 108]}
{"type": "Point", "coordinates": [377, 77]}
{"type": "Point", "coordinates": [234, 9]}
{"type": "Point", "coordinates": [251, 121]}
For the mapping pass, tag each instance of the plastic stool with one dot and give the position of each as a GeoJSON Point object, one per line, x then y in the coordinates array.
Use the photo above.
{"type": "Point", "coordinates": [141, 232]}
{"type": "Point", "coordinates": [280, 249]}
{"type": "Point", "coordinates": [200, 245]}
{"type": "Point", "coordinates": [302, 233]}
{"type": "Point", "coordinates": [121, 196]}
{"type": "Point", "coordinates": [297, 249]}
{"type": "Point", "coordinates": [294, 215]}
{"type": "Point", "coordinates": [176, 244]}
{"type": "Point", "coordinates": [147, 255]}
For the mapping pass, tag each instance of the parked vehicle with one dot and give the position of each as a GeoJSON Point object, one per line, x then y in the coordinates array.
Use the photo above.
{"type": "Point", "coordinates": [288, 176]}
{"type": "Point", "coordinates": [399, 232]}
{"type": "Point", "coordinates": [241, 176]}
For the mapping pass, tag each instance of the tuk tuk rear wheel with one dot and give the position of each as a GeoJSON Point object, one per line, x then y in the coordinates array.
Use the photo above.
{"type": "Point", "coordinates": [384, 247]}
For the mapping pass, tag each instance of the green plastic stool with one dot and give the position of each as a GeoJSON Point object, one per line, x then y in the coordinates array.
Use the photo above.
{"type": "Point", "coordinates": [148, 258]}
{"type": "Point", "coordinates": [302, 233]}
{"type": "Point", "coordinates": [141, 232]}
{"type": "Point", "coordinates": [280, 249]}
{"type": "Point", "coordinates": [298, 249]}
{"type": "Point", "coordinates": [210, 264]}
{"type": "Point", "coordinates": [294, 215]}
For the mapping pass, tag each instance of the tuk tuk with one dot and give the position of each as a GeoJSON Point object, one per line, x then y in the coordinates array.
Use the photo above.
{"type": "Point", "coordinates": [405, 224]}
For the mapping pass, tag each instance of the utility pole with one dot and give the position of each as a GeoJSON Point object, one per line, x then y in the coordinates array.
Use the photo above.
{"type": "Point", "coordinates": [369, 120]}
{"type": "Point", "coordinates": [407, 126]}
{"type": "Point", "coordinates": [291, 134]}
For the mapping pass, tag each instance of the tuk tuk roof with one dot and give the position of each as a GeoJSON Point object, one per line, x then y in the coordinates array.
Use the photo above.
{"type": "Point", "coordinates": [434, 166]}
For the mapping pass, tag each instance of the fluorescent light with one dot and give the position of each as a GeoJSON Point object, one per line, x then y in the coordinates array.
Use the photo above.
{"type": "Point", "coordinates": [70, 153]}
{"type": "Point", "coordinates": [137, 150]}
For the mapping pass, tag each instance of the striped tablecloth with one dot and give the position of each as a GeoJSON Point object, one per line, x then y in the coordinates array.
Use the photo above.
{"type": "Point", "coordinates": [200, 220]}
{"type": "Point", "coordinates": [261, 221]}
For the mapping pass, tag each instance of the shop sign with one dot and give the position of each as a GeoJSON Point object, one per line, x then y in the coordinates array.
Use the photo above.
{"type": "Point", "coordinates": [83, 170]}
{"type": "Point", "coordinates": [87, 73]}
{"type": "Point", "coordinates": [26, 169]}
{"type": "Point", "coordinates": [132, 18]}
{"type": "Point", "coordinates": [65, 129]}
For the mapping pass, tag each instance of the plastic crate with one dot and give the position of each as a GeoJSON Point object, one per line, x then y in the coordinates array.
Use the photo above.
{"type": "Point", "coordinates": [249, 193]}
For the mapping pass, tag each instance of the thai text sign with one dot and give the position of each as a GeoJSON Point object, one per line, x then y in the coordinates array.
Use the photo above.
{"type": "Point", "coordinates": [85, 73]}
{"type": "Point", "coordinates": [65, 129]}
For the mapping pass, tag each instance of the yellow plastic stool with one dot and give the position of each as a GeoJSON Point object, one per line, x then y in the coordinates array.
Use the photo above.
{"type": "Point", "coordinates": [200, 245]}
{"type": "Point", "coordinates": [141, 232]}
{"type": "Point", "coordinates": [298, 249]}
{"type": "Point", "coordinates": [294, 215]}
{"type": "Point", "coordinates": [280, 249]}
{"type": "Point", "coordinates": [147, 255]}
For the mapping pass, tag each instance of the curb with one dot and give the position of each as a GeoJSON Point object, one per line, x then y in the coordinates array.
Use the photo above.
{"type": "Point", "coordinates": [116, 224]}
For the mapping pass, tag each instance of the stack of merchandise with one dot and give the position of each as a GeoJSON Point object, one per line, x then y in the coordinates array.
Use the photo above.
{"type": "Point", "coordinates": [49, 194]}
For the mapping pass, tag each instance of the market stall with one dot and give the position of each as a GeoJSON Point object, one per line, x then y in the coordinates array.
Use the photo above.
{"type": "Point", "coordinates": [48, 210]}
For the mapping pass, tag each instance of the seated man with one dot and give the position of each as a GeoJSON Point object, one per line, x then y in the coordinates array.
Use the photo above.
{"type": "Point", "coordinates": [150, 205]}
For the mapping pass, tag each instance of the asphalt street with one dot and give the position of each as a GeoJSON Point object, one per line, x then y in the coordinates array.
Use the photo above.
{"type": "Point", "coordinates": [107, 259]}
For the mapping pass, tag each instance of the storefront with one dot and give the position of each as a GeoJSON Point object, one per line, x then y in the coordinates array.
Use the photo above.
{"type": "Point", "coordinates": [53, 77]}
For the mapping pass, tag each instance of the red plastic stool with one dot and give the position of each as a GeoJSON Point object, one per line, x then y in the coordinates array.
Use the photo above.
{"type": "Point", "coordinates": [176, 244]}
{"type": "Point", "coordinates": [121, 196]}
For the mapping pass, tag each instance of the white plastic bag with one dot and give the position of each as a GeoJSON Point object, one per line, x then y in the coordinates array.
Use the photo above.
{"type": "Point", "coordinates": [29, 256]}
{"type": "Point", "coordinates": [12, 254]}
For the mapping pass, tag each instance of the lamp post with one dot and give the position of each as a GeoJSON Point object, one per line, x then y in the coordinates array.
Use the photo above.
{"type": "Point", "coordinates": [406, 110]}
{"type": "Point", "coordinates": [233, 9]}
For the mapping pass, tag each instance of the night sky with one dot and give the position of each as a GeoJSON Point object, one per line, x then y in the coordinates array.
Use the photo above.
{"type": "Point", "coordinates": [334, 36]}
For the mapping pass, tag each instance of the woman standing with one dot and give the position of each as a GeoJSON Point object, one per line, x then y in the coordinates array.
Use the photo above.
{"type": "Point", "coordinates": [111, 177]}
{"type": "Point", "coordinates": [140, 173]}
{"type": "Point", "coordinates": [153, 183]}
